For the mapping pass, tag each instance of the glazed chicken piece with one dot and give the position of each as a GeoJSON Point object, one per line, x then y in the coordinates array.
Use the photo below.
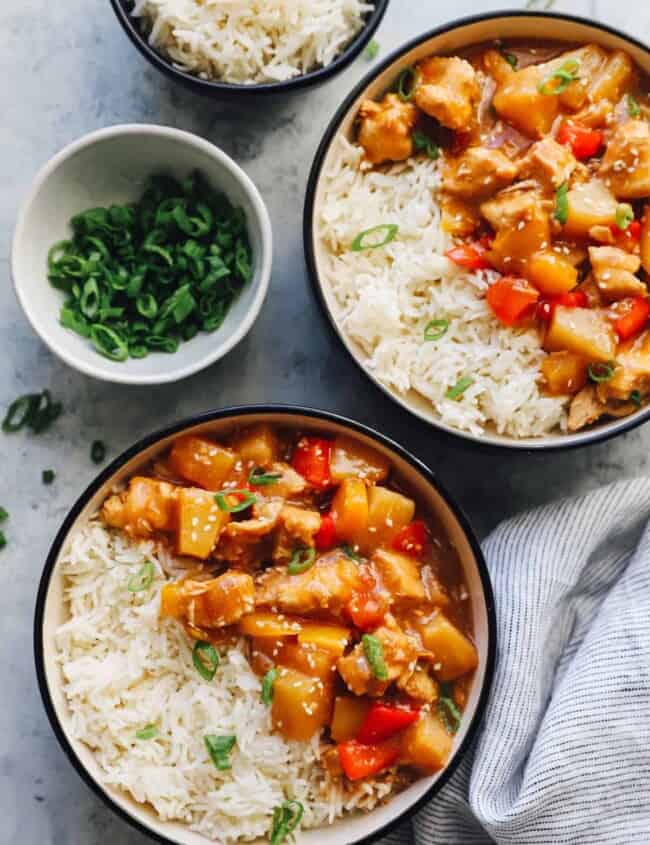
{"type": "Point", "coordinates": [216, 603]}
{"type": "Point", "coordinates": [419, 685]}
{"type": "Point", "coordinates": [243, 543]}
{"type": "Point", "coordinates": [448, 90]}
{"type": "Point", "coordinates": [290, 483]}
{"type": "Point", "coordinates": [459, 218]}
{"type": "Point", "coordinates": [328, 585]}
{"type": "Point", "coordinates": [585, 408]}
{"type": "Point", "coordinates": [385, 129]}
{"type": "Point", "coordinates": [298, 527]}
{"type": "Point", "coordinates": [510, 206]}
{"type": "Point", "coordinates": [625, 168]}
{"type": "Point", "coordinates": [400, 575]}
{"type": "Point", "coordinates": [147, 506]}
{"type": "Point", "coordinates": [399, 652]}
{"type": "Point", "coordinates": [477, 173]}
{"type": "Point", "coordinates": [548, 162]}
{"type": "Point", "coordinates": [614, 272]}
{"type": "Point", "coordinates": [632, 371]}
{"type": "Point", "coordinates": [522, 223]}
{"type": "Point", "coordinates": [266, 515]}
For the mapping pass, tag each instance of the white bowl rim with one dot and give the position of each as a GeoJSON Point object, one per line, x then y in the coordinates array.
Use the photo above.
{"type": "Point", "coordinates": [271, 410]}
{"type": "Point", "coordinates": [488, 440]}
{"type": "Point", "coordinates": [266, 258]}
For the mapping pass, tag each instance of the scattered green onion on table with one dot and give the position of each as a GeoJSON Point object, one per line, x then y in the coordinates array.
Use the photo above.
{"type": "Point", "coordinates": [145, 277]}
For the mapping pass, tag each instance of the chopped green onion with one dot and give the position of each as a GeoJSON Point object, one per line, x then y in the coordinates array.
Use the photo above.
{"type": "Point", "coordinates": [259, 478]}
{"type": "Point", "coordinates": [246, 499]}
{"type": "Point", "coordinates": [348, 551]}
{"type": "Point", "coordinates": [633, 107]}
{"type": "Point", "coordinates": [435, 329]}
{"type": "Point", "coordinates": [561, 212]}
{"type": "Point", "coordinates": [459, 388]}
{"type": "Point", "coordinates": [387, 232]}
{"type": "Point", "coordinates": [406, 84]}
{"type": "Point", "coordinates": [4, 514]}
{"type": "Point", "coordinates": [374, 652]}
{"type": "Point", "coordinates": [219, 748]}
{"type": "Point", "coordinates": [449, 713]}
{"type": "Point", "coordinates": [205, 660]}
{"type": "Point", "coordinates": [602, 371]}
{"type": "Point", "coordinates": [48, 476]}
{"type": "Point", "coordinates": [267, 686]}
{"type": "Point", "coordinates": [143, 578]}
{"type": "Point", "coordinates": [286, 819]}
{"type": "Point", "coordinates": [301, 560]}
{"type": "Point", "coordinates": [3, 540]}
{"type": "Point", "coordinates": [108, 342]}
{"type": "Point", "coordinates": [624, 215]}
{"type": "Point", "coordinates": [563, 76]}
{"type": "Point", "coordinates": [37, 411]}
{"type": "Point", "coordinates": [511, 59]}
{"type": "Point", "coordinates": [423, 143]}
{"type": "Point", "coordinates": [97, 451]}
{"type": "Point", "coordinates": [635, 398]}
{"type": "Point", "coordinates": [372, 50]}
{"type": "Point", "coordinates": [148, 732]}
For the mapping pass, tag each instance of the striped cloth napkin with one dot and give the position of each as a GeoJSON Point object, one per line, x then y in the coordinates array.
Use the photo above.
{"type": "Point", "coordinates": [564, 752]}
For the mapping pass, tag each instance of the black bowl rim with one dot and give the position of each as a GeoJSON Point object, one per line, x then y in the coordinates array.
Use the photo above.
{"type": "Point", "coordinates": [243, 411]}
{"type": "Point", "coordinates": [591, 436]}
{"type": "Point", "coordinates": [231, 89]}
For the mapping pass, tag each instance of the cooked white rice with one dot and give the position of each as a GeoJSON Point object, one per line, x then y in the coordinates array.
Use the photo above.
{"type": "Point", "coordinates": [251, 41]}
{"type": "Point", "coordinates": [387, 296]}
{"type": "Point", "coordinates": [124, 668]}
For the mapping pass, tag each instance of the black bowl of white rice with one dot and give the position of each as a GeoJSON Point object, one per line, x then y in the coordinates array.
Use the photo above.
{"type": "Point", "coordinates": [226, 49]}
{"type": "Point", "coordinates": [107, 663]}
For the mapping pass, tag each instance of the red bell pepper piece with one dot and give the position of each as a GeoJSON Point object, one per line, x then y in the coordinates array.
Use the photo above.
{"type": "Point", "coordinates": [628, 236]}
{"type": "Point", "coordinates": [360, 761]}
{"type": "Point", "coordinates": [411, 539]}
{"type": "Point", "coordinates": [469, 255]}
{"type": "Point", "coordinates": [383, 721]}
{"type": "Point", "coordinates": [584, 142]}
{"type": "Point", "coordinates": [366, 610]}
{"type": "Point", "coordinates": [511, 298]}
{"type": "Point", "coordinates": [326, 538]}
{"type": "Point", "coordinates": [311, 459]}
{"type": "Point", "coordinates": [572, 299]}
{"type": "Point", "coordinates": [631, 316]}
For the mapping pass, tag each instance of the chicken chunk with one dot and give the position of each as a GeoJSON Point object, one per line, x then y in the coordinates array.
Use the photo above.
{"type": "Point", "coordinates": [289, 483]}
{"type": "Point", "coordinates": [523, 228]}
{"type": "Point", "coordinates": [216, 603]}
{"type": "Point", "coordinates": [448, 90]}
{"type": "Point", "coordinates": [626, 164]}
{"type": "Point", "coordinates": [400, 575]}
{"type": "Point", "coordinates": [419, 685]}
{"type": "Point", "coordinates": [241, 544]}
{"type": "Point", "coordinates": [147, 506]}
{"type": "Point", "coordinates": [509, 207]}
{"type": "Point", "coordinates": [585, 409]}
{"type": "Point", "coordinates": [459, 218]}
{"type": "Point", "coordinates": [385, 129]}
{"type": "Point", "coordinates": [478, 173]}
{"type": "Point", "coordinates": [632, 371]}
{"type": "Point", "coordinates": [399, 651]}
{"type": "Point", "coordinates": [265, 518]}
{"type": "Point", "coordinates": [548, 162]}
{"type": "Point", "coordinates": [298, 527]}
{"type": "Point", "coordinates": [328, 585]}
{"type": "Point", "coordinates": [613, 270]}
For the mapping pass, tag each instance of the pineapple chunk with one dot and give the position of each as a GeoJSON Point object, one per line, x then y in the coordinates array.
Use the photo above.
{"type": "Point", "coordinates": [452, 650]}
{"type": "Point", "coordinates": [350, 511]}
{"type": "Point", "coordinates": [351, 459]}
{"type": "Point", "coordinates": [226, 599]}
{"type": "Point", "coordinates": [615, 78]}
{"type": "Point", "coordinates": [349, 714]}
{"type": "Point", "coordinates": [301, 704]}
{"type": "Point", "coordinates": [201, 461]}
{"type": "Point", "coordinates": [518, 101]}
{"type": "Point", "coordinates": [332, 638]}
{"type": "Point", "coordinates": [400, 575]}
{"type": "Point", "coordinates": [388, 513]}
{"type": "Point", "coordinates": [590, 204]}
{"type": "Point", "coordinates": [564, 373]}
{"type": "Point", "coordinates": [551, 272]}
{"type": "Point", "coordinates": [268, 624]}
{"type": "Point", "coordinates": [585, 331]}
{"type": "Point", "coordinates": [426, 744]}
{"type": "Point", "coordinates": [309, 660]}
{"type": "Point", "coordinates": [513, 248]}
{"type": "Point", "coordinates": [258, 444]}
{"type": "Point", "coordinates": [199, 522]}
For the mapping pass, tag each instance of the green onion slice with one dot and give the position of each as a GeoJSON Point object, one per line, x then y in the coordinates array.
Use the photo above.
{"type": "Point", "coordinates": [48, 476]}
{"type": "Point", "coordinates": [435, 329]}
{"type": "Point", "coordinates": [148, 732]}
{"type": "Point", "coordinates": [108, 342]}
{"type": "Point", "coordinates": [205, 660]}
{"type": "Point", "coordinates": [286, 819]}
{"type": "Point", "coordinates": [143, 578]}
{"type": "Point", "coordinates": [246, 499]}
{"type": "Point", "coordinates": [406, 84]}
{"type": "Point", "coordinates": [19, 413]}
{"type": "Point", "coordinates": [348, 551]}
{"type": "Point", "coordinates": [635, 398]}
{"type": "Point", "coordinates": [372, 50]}
{"type": "Point", "coordinates": [3, 540]}
{"type": "Point", "coordinates": [558, 81]}
{"type": "Point", "coordinates": [4, 514]}
{"type": "Point", "coordinates": [219, 748]}
{"type": "Point", "coordinates": [375, 237]}
{"type": "Point", "coordinates": [302, 559]}
{"type": "Point", "coordinates": [267, 686]}
{"type": "Point", "coordinates": [374, 652]}
{"type": "Point", "coordinates": [459, 388]}
{"type": "Point", "coordinates": [259, 478]}
{"type": "Point", "coordinates": [561, 212]}
{"type": "Point", "coordinates": [511, 59]}
{"type": "Point", "coordinates": [423, 143]}
{"type": "Point", "coordinates": [97, 451]}
{"type": "Point", "coordinates": [602, 371]}
{"type": "Point", "coordinates": [633, 107]}
{"type": "Point", "coordinates": [449, 713]}
{"type": "Point", "coordinates": [34, 410]}
{"type": "Point", "coordinates": [624, 215]}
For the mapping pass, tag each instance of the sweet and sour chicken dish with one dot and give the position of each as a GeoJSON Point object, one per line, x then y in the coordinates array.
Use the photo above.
{"type": "Point", "coordinates": [545, 161]}
{"type": "Point", "coordinates": [349, 597]}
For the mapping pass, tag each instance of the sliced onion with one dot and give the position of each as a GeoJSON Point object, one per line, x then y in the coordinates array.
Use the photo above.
{"type": "Point", "coordinates": [504, 134]}
{"type": "Point", "coordinates": [541, 54]}
{"type": "Point", "coordinates": [489, 87]}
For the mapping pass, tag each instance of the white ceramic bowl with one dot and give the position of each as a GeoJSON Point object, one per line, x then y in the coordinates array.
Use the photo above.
{"type": "Point", "coordinates": [51, 612]}
{"type": "Point", "coordinates": [448, 39]}
{"type": "Point", "coordinates": [111, 166]}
